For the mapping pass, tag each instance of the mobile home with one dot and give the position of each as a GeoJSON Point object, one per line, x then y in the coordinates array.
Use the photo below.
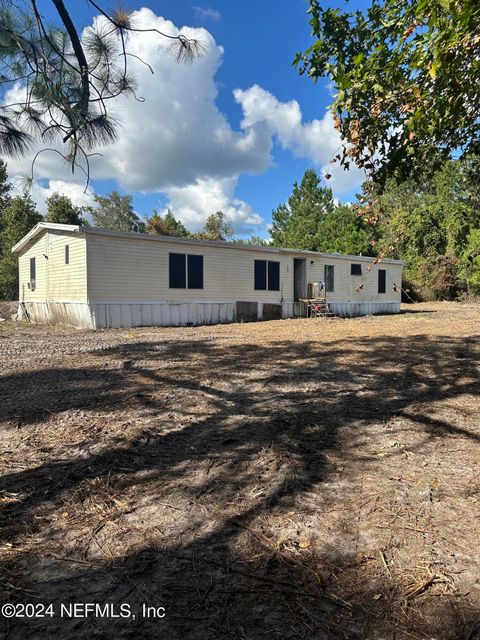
{"type": "Point", "coordinates": [96, 278]}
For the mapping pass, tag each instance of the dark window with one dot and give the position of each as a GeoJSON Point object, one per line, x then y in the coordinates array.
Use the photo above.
{"type": "Point", "coordinates": [185, 269]}
{"type": "Point", "coordinates": [355, 269]}
{"type": "Point", "coordinates": [67, 254]}
{"type": "Point", "coordinates": [329, 277]}
{"type": "Point", "coordinates": [382, 281]}
{"type": "Point", "coordinates": [273, 276]}
{"type": "Point", "coordinates": [32, 270]}
{"type": "Point", "coordinates": [195, 272]}
{"type": "Point", "coordinates": [261, 275]}
{"type": "Point", "coordinates": [267, 275]}
{"type": "Point", "coordinates": [177, 271]}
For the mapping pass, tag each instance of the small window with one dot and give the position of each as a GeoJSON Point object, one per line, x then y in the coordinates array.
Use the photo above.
{"type": "Point", "coordinates": [185, 269]}
{"type": "Point", "coordinates": [67, 254]}
{"type": "Point", "coordinates": [355, 269]}
{"type": "Point", "coordinates": [329, 273]}
{"type": "Point", "coordinates": [177, 271]}
{"type": "Point", "coordinates": [382, 281]}
{"type": "Point", "coordinates": [32, 270]}
{"type": "Point", "coordinates": [195, 272]}
{"type": "Point", "coordinates": [261, 275]}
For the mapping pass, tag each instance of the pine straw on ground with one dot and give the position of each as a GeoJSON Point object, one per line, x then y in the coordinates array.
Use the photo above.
{"type": "Point", "coordinates": [311, 479]}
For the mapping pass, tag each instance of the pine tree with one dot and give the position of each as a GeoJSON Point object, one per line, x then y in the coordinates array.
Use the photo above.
{"type": "Point", "coordinates": [313, 221]}
{"type": "Point", "coordinates": [5, 186]}
{"type": "Point", "coordinates": [61, 210]}
{"type": "Point", "coordinates": [298, 225]}
{"type": "Point", "coordinates": [343, 231]}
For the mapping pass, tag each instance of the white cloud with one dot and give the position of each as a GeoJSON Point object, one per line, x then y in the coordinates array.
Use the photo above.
{"type": "Point", "coordinates": [316, 140]}
{"type": "Point", "coordinates": [193, 203]}
{"type": "Point", "coordinates": [179, 143]}
{"type": "Point", "coordinates": [177, 134]}
{"type": "Point", "coordinates": [206, 13]}
{"type": "Point", "coordinates": [39, 193]}
{"type": "Point", "coordinates": [177, 137]}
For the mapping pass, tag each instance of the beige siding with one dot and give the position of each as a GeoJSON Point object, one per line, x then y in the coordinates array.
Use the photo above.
{"type": "Point", "coordinates": [364, 288]}
{"type": "Point", "coordinates": [134, 269]}
{"type": "Point", "coordinates": [67, 282]}
{"type": "Point", "coordinates": [38, 250]}
{"type": "Point", "coordinates": [55, 280]}
{"type": "Point", "coordinates": [137, 270]}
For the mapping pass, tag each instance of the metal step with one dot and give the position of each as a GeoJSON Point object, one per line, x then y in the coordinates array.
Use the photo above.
{"type": "Point", "coordinates": [321, 310]}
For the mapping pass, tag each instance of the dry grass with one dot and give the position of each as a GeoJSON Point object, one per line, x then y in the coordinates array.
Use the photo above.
{"type": "Point", "coordinates": [290, 479]}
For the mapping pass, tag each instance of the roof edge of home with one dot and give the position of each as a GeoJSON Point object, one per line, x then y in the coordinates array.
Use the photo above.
{"type": "Point", "coordinates": [45, 226]}
{"type": "Point", "coordinates": [229, 245]}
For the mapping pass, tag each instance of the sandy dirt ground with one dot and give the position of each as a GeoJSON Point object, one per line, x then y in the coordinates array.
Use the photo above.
{"type": "Point", "coordinates": [313, 479]}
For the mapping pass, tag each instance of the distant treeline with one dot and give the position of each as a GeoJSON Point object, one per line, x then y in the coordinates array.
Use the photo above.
{"type": "Point", "coordinates": [434, 225]}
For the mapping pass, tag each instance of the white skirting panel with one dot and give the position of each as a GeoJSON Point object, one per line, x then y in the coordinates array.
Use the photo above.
{"type": "Point", "coordinates": [74, 314]}
{"type": "Point", "coordinates": [344, 309]}
{"type": "Point", "coordinates": [353, 309]}
{"type": "Point", "coordinates": [290, 309]}
{"type": "Point", "coordinates": [164, 314]}
{"type": "Point", "coordinates": [161, 314]}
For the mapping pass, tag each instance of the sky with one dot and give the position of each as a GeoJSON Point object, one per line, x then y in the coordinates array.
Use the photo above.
{"type": "Point", "coordinates": [230, 132]}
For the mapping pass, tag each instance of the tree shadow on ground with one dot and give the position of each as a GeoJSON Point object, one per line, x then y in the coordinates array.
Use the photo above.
{"type": "Point", "coordinates": [411, 312]}
{"type": "Point", "coordinates": [189, 504]}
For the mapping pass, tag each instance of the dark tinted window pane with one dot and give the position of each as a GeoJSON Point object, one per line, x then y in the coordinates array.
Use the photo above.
{"type": "Point", "coordinates": [261, 274]}
{"type": "Point", "coordinates": [273, 276]}
{"type": "Point", "coordinates": [329, 277]}
{"type": "Point", "coordinates": [195, 272]}
{"type": "Point", "coordinates": [356, 269]}
{"type": "Point", "coordinates": [67, 254]}
{"type": "Point", "coordinates": [177, 275]}
{"type": "Point", "coordinates": [382, 281]}
{"type": "Point", "coordinates": [32, 269]}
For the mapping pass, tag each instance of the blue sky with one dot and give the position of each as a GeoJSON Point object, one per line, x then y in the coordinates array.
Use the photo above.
{"type": "Point", "coordinates": [259, 41]}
